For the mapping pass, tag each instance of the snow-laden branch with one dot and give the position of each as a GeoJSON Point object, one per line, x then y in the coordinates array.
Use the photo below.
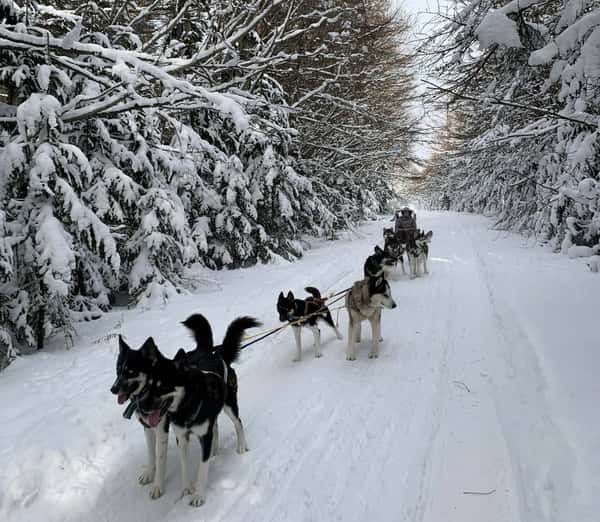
{"type": "Point", "coordinates": [497, 101]}
{"type": "Point", "coordinates": [184, 64]}
{"type": "Point", "coordinates": [168, 28]}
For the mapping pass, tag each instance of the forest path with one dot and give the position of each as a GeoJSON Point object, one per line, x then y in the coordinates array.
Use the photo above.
{"type": "Point", "coordinates": [481, 406]}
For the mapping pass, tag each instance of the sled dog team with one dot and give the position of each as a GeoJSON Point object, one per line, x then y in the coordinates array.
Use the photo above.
{"type": "Point", "coordinates": [188, 392]}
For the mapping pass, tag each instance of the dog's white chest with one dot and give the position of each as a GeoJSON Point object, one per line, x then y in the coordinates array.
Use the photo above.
{"type": "Point", "coordinates": [200, 429]}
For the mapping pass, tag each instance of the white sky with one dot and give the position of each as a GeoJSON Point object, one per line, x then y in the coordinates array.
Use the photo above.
{"type": "Point", "coordinates": [418, 9]}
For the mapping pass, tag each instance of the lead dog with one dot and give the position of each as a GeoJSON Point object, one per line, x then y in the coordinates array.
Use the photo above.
{"type": "Point", "coordinates": [191, 396]}
{"type": "Point", "coordinates": [364, 302]}
{"type": "Point", "coordinates": [313, 310]}
{"type": "Point", "coordinates": [417, 252]}
{"type": "Point", "coordinates": [134, 368]}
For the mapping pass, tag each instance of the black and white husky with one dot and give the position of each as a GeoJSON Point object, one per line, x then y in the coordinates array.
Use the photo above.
{"type": "Point", "coordinates": [134, 369]}
{"type": "Point", "coordinates": [393, 247]}
{"type": "Point", "coordinates": [417, 252]}
{"type": "Point", "coordinates": [313, 308]}
{"type": "Point", "coordinates": [190, 391]}
{"type": "Point", "coordinates": [364, 302]}
{"type": "Point", "coordinates": [380, 263]}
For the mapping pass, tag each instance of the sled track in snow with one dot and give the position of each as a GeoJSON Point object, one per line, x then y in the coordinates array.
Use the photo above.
{"type": "Point", "coordinates": [462, 398]}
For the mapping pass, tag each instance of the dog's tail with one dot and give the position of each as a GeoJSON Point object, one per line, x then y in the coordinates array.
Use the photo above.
{"type": "Point", "coordinates": [313, 291]}
{"type": "Point", "coordinates": [233, 337]}
{"type": "Point", "coordinates": [202, 331]}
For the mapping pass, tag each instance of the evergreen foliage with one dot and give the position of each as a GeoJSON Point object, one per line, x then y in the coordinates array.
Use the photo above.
{"type": "Point", "coordinates": [139, 140]}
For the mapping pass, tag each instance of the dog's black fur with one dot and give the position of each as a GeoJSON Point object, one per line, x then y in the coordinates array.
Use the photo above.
{"type": "Point", "coordinates": [418, 245]}
{"type": "Point", "coordinates": [208, 358]}
{"type": "Point", "coordinates": [193, 388]}
{"type": "Point", "coordinates": [134, 368]}
{"type": "Point", "coordinates": [393, 246]}
{"type": "Point", "coordinates": [306, 312]}
{"type": "Point", "coordinates": [417, 251]}
{"type": "Point", "coordinates": [376, 263]}
{"type": "Point", "coordinates": [291, 309]}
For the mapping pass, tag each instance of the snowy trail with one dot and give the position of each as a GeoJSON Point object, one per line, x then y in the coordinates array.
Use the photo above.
{"type": "Point", "coordinates": [480, 388]}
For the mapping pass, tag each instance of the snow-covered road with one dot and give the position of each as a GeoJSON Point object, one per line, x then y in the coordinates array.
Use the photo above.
{"type": "Point", "coordinates": [481, 408]}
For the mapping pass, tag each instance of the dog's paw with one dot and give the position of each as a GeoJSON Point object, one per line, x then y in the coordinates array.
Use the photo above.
{"type": "Point", "coordinates": [318, 354]}
{"type": "Point", "coordinates": [155, 492]}
{"type": "Point", "coordinates": [380, 339]}
{"type": "Point", "coordinates": [146, 477]}
{"type": "Point", "coordinates": [339, 336]}
{"type": "Point", "coordinates": [296, 359]}
{"type": "Point", "coordinates": [186, 491]}
{"type": "Point", "coordinates": [197, 500]}
{"type": "Point", "coordinates": [373, 355]}
{"type": "Point", "coordinates": [241, 449]}
{"type": "Point", "coordinates": [350, 357]}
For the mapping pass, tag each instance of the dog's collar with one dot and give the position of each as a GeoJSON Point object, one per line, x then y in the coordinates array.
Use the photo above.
{"type": "Point", "coordinates": [130, 409]}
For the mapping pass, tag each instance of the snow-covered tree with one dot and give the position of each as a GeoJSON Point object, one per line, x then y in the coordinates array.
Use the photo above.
{"type": "Point", "coordinates": [523, 76]}
{"type": "Point", "coordinates": [139, 139]}
{"type": "Point", "coordinates": [350, 85]}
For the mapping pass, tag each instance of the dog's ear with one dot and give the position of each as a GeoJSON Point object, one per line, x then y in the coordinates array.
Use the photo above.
{"type": "Point", "coordinates": [281, 296]}
{"type": "Point", "coordinates": [378, 250]}
{"type": "Point", "coordinates": [150, 350]}
{"type": "Point", "coordinates": [429, 235]}
{"type": "Point", "coordinates": [123, 346]}
{"type": "Point", "coordinates": [290, 296]}
{"type": "Point", "coordinates": [379, 281]}
{"type": "Point", "coordinates": [180, 355]}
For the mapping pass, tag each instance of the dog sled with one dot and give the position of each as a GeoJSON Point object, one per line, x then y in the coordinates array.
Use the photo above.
{"type": "Point", "coordinates": [405, 225]}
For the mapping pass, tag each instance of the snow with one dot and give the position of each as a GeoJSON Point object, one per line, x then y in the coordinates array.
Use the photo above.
{"type": "Point", "coordinates": [516, 6]}
{"type": "Point", "coordinates": [123, 72]}
{"type": "Point", "coordinates": [497, 28]}
{"type": "Point", "coordinates": [486, 383]}
{"type": "Point", "coordinates": [590, 55]}
{"type": "Point", "coordinates": [56, 258]}
{"type": "Point", "coordinates": [568, 39]}
{"type": "Point", "coordinates": [38, 109]}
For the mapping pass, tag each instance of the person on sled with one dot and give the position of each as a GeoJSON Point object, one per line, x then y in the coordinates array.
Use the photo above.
{"type": "Point", "coordinates": [405, 225]}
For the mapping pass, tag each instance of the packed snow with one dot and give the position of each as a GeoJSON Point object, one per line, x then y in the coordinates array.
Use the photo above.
{"type": "Point", "coordinates": [481, 407]}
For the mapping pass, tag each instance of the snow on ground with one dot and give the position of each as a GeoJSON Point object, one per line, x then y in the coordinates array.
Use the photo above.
{"type": "Point", "coordinates": [482, 406]}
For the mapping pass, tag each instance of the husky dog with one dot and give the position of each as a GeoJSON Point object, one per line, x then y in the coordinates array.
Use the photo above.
{"type": "Point", "coordinates": [393, 247]}
{"type": "Point", "coordinates": [417, 252]}
{"type": "Point", "coordinates": [379, 263]}
{"type": "Point", "coordinates": [206, 355]}
{"type": "Point", "coordinates": [134, 369]}
{"type": "Point", "coordinates": [291, 309]}
{"type": "Point", "coordinates": [191, 396]}
{"type": "Point", "coordinates": [364, 302]}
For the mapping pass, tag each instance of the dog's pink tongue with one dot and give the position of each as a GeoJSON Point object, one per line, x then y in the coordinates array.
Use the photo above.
{"type": "Point", "coordinates": [122, 397]}
{"type": "Point", "coordinates": [154, 418]}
